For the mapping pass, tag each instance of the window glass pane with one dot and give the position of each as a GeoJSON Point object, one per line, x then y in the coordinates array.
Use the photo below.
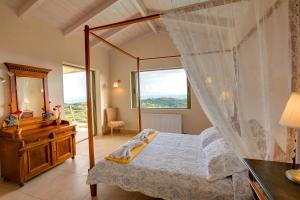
{"type": "Point", "coordinates": [164, 89]}
{"type": "Point", "coordinates": [75, 101]}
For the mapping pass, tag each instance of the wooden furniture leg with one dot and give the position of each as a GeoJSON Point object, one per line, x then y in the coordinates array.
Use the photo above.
{"type": "Point", "coordinates": [93, 189]}
{"type": "Point", "coordinates": [111, 131]}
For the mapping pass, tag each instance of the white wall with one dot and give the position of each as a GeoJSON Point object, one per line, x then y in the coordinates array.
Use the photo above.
{"type": "Point", "coordinates": [194, 120]}
{"type": "Point", "coordinates": [33, 42]}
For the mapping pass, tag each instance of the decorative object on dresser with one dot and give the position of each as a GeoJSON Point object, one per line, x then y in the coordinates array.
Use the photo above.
{"type": "Point", "coordinates": [291, 119]}
{"type": "Point", "coordinates": [57, 113]}
{"type": "Point", "coordinates": [268, 182]}
{"type": "Point", "coordinates": [32, 144]}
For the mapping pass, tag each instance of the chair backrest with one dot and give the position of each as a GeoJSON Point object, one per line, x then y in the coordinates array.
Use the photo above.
{"type": "Point", "coordinates": [111, 114]}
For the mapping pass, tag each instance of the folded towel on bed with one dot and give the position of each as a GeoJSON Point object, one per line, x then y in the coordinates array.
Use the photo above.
{"type": "Point", "coordinates": [124, 152]}
{"type": "Point", "coordinates": [127, 152]}
{"type": "Point", "coordinates": [146, 135]}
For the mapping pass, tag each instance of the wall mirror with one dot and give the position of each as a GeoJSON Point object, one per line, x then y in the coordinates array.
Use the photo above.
{"type": "Point", "coordinates": [29, 89]}
{"type": "Point", "coordinates": [30, 95]}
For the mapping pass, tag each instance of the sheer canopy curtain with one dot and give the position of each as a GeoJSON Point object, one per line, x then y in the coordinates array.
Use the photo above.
{"type": "Point", "coordinates": [236, 55]}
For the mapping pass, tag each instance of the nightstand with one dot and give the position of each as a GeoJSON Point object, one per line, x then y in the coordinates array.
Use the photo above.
{"type": "Point", "coordinates": [268, 182]}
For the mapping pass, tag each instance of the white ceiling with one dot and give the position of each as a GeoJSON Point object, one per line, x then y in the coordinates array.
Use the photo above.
{"type": "Point", "coordinates": [70, 16]}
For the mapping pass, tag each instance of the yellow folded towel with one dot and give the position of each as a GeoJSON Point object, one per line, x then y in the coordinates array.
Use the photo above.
{"type": "Point", "coordinates": [145, 135]}
{"type": "Point", "coordinates": [134, 152]}
{"type": "Point", "coordinates": [151, 136]}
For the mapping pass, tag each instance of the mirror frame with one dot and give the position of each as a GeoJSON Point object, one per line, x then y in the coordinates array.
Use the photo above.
{"type": "Point", "coordinates": [27, 71]}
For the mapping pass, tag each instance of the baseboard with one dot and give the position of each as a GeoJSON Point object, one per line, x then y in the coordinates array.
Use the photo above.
{"type": "Point", "coordinates": [129, 131]}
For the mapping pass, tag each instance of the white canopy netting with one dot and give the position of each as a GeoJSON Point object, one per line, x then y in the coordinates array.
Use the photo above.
{"type": "Point", "coordinates": [237, 58]}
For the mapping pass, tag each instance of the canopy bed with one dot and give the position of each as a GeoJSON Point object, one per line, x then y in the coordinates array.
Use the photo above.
{"type": "Point", "coordinates": [173, 166]}
{"type": "Point", "coordinates": [242, 60]}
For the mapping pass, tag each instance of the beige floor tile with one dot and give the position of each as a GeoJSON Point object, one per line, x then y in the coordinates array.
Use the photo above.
{"type": "Point", "coordinates": [15, 195]}
{"type": "Point", "coordinates": [9, 191]}
{"type": "Point", "coordinates": [79, 165]}
{"type": "Point", "coordinates": [60, 185]}
{"type": "Point", "coordinates": [107, 192]}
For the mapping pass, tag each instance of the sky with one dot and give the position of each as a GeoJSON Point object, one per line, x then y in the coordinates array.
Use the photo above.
{"type": "Point", "coordinates": [163, 83]}
{"type": "Point", "coordinates": [74, 87]}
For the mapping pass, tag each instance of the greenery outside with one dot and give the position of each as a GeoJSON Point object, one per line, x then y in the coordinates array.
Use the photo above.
{"type": "Point", "coordinates": [76, 113]}
{"type": "Point", "coordinates": [164, 102]}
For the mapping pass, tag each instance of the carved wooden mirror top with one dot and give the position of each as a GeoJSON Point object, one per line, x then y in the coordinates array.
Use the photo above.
{"type": "Point", "coordinates": [29, 89]}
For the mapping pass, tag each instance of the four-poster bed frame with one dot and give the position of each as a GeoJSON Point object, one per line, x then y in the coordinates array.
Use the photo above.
{"type": "Point", "coordinates": [90, 31]}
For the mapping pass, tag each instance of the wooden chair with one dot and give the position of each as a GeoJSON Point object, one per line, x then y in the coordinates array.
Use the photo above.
{"type": "Point", "coordinates": [112, 119]}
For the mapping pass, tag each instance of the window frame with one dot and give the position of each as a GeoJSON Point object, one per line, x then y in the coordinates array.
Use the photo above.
{"type": "Point", "coordinates": [133, 90]}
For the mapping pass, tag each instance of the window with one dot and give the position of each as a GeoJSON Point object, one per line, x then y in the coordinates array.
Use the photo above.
{"type": "Point", "coordinates": [167, 88]}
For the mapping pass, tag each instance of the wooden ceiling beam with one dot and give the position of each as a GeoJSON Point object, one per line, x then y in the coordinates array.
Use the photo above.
{"type": "Point", "coordinates": [28, 6]}
{"type": "Point", "coordinates": [144, 34]}
{"type": "Point", "coordinates": [198, 6]}
{"type": "Point", "coordinates": [141, 35]}
{"type": "Point", "coordinates": [90, 15]}
{"type": "Point", "coordinates": [113, 32]}
{"type": "Point", "coordinates": [140, 6]}
{"type": "Point", "coordinates": [126, 22]}
{"type": "Point", "coordinates": [112, 45]}
{"type": "Point", "coordinates": [109, 34]}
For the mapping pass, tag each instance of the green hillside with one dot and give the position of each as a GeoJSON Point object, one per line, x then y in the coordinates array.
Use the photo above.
{"type": "Point", "coordinates": [164, 103]}
{"type": "Point", "coordinates": [76, 113]}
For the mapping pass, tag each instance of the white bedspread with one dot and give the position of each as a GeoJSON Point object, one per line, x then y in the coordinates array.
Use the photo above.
{"type": "Point", "coordinates": [171, 167]}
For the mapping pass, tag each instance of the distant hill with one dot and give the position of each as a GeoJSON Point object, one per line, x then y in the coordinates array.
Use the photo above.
{"type": "Point", "coordinates": [181, 96]}
{"type": "Point", "coordinates": [164, 102]}
{"type": "Point", "coordinates": [75, 100]}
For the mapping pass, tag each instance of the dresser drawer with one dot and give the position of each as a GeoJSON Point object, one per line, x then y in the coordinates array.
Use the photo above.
{"type": "Point", "coordinates": [37, 159]}
{"type": "Point", "coordinates": [63, 148]}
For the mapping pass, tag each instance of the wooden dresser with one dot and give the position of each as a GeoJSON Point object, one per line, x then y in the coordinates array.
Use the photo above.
{"type": "Point", "coordinates": [35, 143]}
{"type": "Point", "coordinates": [41, 147]}
{"type": "Point", "coordinates": [268, 182]}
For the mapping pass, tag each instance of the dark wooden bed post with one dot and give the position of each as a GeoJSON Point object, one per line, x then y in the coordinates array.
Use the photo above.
{"type": "Point", "coordinates": [93, 188]}
{"type": "Point", "coordinates": [139, 93]}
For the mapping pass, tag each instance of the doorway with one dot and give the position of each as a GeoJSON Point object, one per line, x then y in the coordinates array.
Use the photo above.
{"type": "Point", "coordinates": [75, 100]}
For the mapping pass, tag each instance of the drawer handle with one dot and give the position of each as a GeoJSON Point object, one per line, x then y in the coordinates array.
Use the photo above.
{"type": "Point", "coordinates": [51, 135]}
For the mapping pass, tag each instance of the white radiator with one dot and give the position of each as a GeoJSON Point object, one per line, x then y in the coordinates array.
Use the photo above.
{"type": "Point", "coordinates": [162, 122]}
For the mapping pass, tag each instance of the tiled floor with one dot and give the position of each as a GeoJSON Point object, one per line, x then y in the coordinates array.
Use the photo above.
{"type": "Point", "coordinates": [82, 134]}
{"type": "Point", "coordinates": [67, 181]}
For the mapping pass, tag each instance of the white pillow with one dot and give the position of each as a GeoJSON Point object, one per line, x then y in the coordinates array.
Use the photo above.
{"type": "Point", "coordinates": [209, 135]}
{"type": "Point", "coordinates": [221, 161]}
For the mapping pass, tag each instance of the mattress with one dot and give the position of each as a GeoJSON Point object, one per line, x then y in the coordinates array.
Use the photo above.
{"type": "Point", "coordinates": [171, 167]}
